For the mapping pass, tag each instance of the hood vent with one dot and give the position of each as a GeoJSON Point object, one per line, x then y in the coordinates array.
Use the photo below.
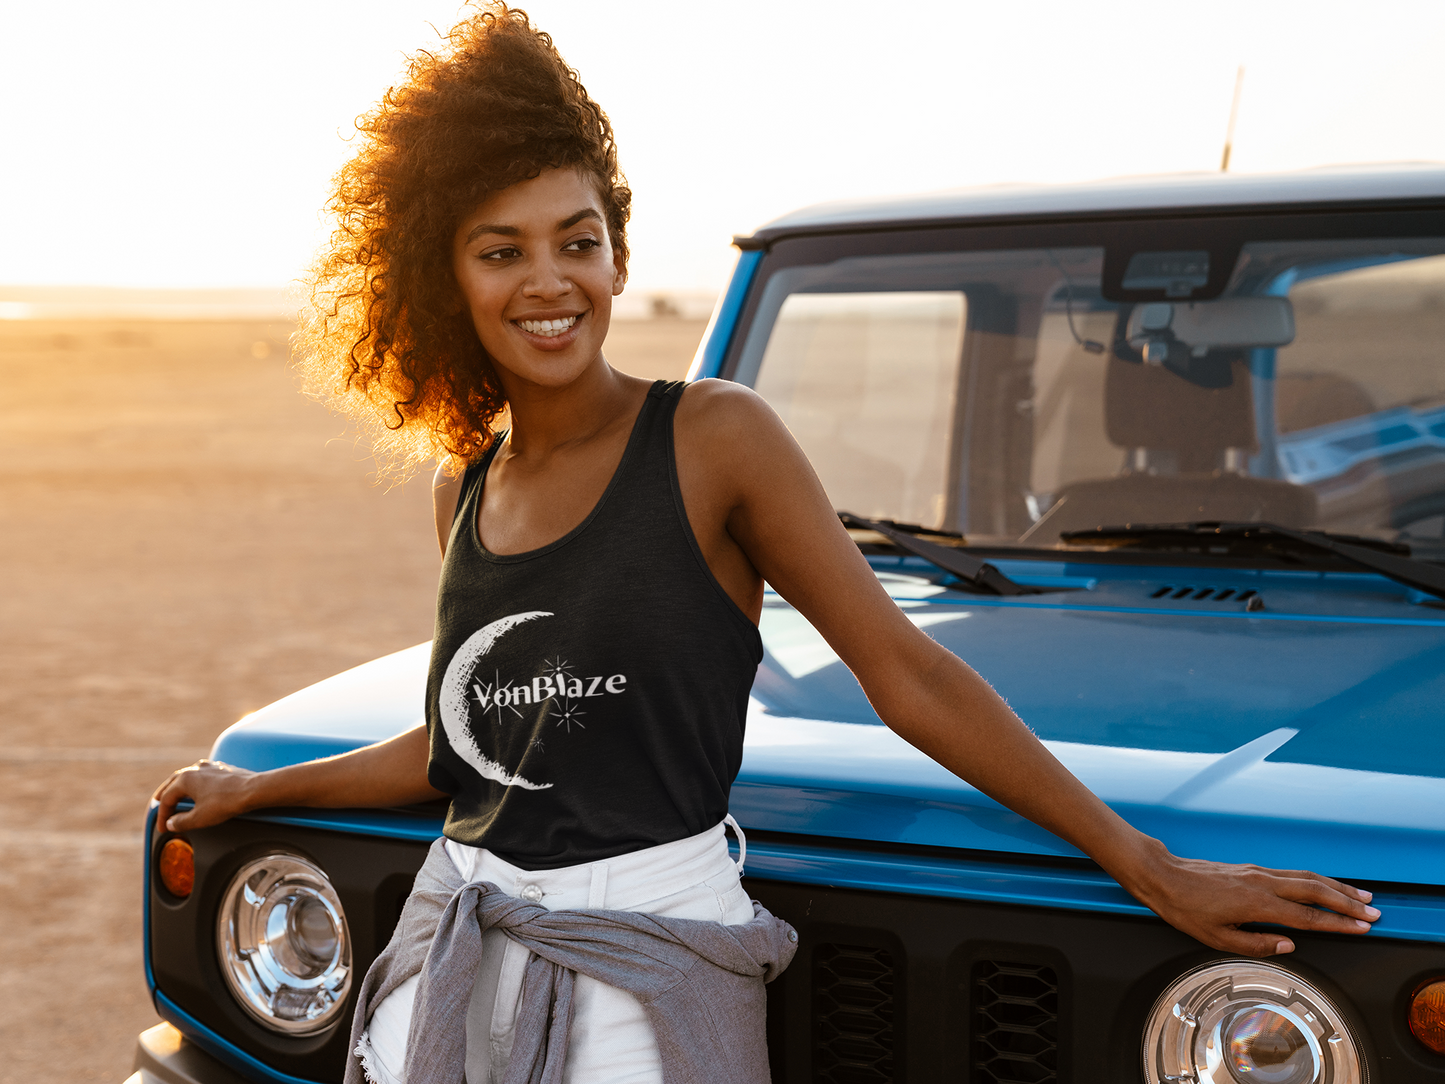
{"type": "Point", "coordinates": [1197, 593]}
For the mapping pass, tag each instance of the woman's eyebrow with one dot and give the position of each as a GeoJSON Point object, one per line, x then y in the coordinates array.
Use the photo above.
{"type": "Point", "coordinates": [572, 219]}
{"type": "Point", "coordinates": [487, 227]}
{"type": "Point", "coordinates": [512, 231]}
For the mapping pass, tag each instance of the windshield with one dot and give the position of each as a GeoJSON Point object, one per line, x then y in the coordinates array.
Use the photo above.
{"type": "Point", "coordinates": [1013, 394]}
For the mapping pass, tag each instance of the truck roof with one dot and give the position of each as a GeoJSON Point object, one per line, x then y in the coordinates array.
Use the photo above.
{"type": "Point", "coordinates": [1336, 186]}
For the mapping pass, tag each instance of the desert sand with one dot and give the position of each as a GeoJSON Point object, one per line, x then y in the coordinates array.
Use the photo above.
{"type": "Point", "coordinates": [185, 539]}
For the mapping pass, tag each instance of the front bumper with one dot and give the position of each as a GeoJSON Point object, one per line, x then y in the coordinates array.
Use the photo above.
{"type": "Point", "coordinates": [164, 1056]}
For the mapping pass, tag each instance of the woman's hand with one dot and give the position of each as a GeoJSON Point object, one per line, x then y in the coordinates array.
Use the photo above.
{"type": "Point", "coordinates": [219, 791]}
{"type": "Point", "coordinates": [1211, 900]}
{"type": "Point", "coordinates": [388, 773]}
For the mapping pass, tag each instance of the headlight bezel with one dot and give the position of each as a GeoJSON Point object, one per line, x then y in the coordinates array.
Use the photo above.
{"type": "Point", "coordinates": [256, 974]}
{"type": "Point", "coordinates": [1198, 1008]}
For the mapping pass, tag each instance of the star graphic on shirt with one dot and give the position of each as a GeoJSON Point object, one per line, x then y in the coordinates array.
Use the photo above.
{"type": "Point", "coordinates": [491, 688]}
{"type": "Point", "coordinates": [567, 713]}
{"type": "Point", "coordinates": [558, 667]}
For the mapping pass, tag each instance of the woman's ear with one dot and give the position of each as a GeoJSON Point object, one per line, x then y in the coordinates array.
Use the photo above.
{"type": "Point", "coordinates": [619, 273]}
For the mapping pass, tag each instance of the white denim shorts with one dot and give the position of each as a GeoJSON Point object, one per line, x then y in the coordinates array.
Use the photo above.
{"type": "Point", "coordinates": [611, 1040]}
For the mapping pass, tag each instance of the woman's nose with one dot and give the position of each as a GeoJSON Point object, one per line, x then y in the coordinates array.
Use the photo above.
{"type": "Point", "coordinates": [547, 280]}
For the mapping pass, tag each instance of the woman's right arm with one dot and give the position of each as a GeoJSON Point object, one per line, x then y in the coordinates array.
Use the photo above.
{"type": "Point", "coordinates": [388, 773]}
{"type": "Point", "coordinates": [385, 774]}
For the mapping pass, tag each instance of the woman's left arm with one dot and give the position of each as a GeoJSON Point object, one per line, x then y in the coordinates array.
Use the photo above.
{"type": "Point", "coordinates": [778, 514]}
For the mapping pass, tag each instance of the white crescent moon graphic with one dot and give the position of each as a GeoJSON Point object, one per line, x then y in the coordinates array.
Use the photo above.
{"type": "Point", "coordinates": [452, 702]}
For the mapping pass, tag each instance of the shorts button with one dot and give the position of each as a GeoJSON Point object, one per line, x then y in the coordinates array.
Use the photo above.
{"type": "Point", "coordinates": [793, 936]}
{"type": "Point", "coordinates": [532, 893]}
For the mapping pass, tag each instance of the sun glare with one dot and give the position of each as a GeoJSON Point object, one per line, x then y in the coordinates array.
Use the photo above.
{"type": "Point", "coordinates": [180, 145]}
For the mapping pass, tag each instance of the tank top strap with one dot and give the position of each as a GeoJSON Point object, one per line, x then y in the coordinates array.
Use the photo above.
{"type": "Point", "coordinates": [643, 484]}
{"type": "Point", "coordinates": [670, 390]}
{"type": "Point", "coordinates": [476, 471]}
{"type": "Point", "coordinates": [655, 422]}
{"type": "Point", "coordinates": [466, 510]}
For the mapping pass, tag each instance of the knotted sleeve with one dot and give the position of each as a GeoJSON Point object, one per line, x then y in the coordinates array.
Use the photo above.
{"type": "Point", "coordinates": [700, 983]}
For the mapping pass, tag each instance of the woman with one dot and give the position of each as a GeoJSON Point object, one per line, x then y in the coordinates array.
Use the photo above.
{"type": "Point", "coordinates": [604, 561]}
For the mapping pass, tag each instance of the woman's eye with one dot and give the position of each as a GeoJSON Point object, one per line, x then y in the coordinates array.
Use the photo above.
{"type": "Point", "coordinates": [499, 254]}
{"type": "Point", "coordinates": [583, 244]}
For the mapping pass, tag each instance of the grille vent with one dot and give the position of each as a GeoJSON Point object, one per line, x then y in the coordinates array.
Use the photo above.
{"type": "Point", "coordinates": [1196, 593]}
{"type": "Point", "coordinates": [1015, 1023]}
{"type": "Point", "coordinates": [853, 1014]}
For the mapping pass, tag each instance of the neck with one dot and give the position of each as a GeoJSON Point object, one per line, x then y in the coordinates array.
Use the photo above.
{"type": "Point", "coordinates": [546, 418]}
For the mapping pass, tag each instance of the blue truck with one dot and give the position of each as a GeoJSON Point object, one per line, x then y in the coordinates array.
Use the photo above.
{"type": "Point", "coordinates": [1164, 460]}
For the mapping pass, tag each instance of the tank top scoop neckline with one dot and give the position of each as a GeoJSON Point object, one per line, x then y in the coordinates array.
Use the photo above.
{"type": "Point", "coordinates": [588, 698]}
{"type": "Point", "coordinates": [485, 464]}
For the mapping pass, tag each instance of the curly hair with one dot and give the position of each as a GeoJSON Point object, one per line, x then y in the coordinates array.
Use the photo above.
{"type": "Point", "coordinates": [387, 339]}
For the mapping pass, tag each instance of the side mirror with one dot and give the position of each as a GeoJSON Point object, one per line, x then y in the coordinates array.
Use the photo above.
{"type": "Point", "coordinates": [1205, 325]}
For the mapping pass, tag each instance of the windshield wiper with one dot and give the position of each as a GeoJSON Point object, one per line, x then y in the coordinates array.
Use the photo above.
{"type": "Point", "coordinates": [980, 574]}
{"type": "Point", "coordinates": [1269, 539]}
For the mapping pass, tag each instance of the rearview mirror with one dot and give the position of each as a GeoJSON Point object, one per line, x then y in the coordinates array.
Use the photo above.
{"type": "Point", "coordinates": [1205, 325]}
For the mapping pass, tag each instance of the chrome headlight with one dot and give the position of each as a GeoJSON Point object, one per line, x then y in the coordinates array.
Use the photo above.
{"type": "Point", "coordinates": [1246, 1022]}
{"type": "Point", "coordinates": [283, 944]}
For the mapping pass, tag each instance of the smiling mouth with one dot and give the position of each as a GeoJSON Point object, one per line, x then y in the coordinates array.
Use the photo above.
{"type": "Point", "coordinates": [548, 329]}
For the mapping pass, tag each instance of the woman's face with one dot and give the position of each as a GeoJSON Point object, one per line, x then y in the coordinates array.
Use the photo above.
{"type": "Point", "coordinates": [537, 273]}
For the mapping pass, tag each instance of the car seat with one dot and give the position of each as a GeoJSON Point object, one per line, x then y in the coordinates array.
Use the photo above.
{"type": "Point", "coordinates": [1149, 410]}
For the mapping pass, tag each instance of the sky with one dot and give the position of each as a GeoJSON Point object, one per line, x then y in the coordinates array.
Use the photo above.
{"type": "Point", "coordinates": [190, 144]}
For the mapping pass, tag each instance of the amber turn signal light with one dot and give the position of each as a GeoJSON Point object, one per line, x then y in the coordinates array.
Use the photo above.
{"type": "Point", "coordinates": [178, 867]}
{"type": "Point", "coordinates": [1427, 1015]}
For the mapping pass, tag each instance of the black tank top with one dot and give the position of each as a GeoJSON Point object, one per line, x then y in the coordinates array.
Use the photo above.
{"type": "Point", "coordinates": [587, 699]}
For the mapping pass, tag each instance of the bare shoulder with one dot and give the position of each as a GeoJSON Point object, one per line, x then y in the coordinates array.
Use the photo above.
{"type": "Point", "coordinates": [446, 489]}
{"type": "Point", "coordinates": [730, 440]}
{"type": "Point", "coordinates": [742, 471]}
{"type": "Point", "coordinates": [721, 417]}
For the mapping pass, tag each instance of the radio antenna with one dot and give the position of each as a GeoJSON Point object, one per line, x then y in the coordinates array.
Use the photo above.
{"type": "Point", "coordinates": [1233, 116]}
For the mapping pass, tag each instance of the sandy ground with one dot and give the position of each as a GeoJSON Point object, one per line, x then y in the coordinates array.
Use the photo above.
{"type": "Point", "coordinates": [185, 539]}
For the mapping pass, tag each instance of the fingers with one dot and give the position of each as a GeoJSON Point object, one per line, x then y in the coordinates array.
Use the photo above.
{"type": "Point", "coordinates": [1211, 901]}
{"type": "Point", "coordinates": [176, 787]}
{"type": "Point", "coordinates": [1348, 891]}
{"type": "Point", "coordinates": [212, 786]}
{"type": "Point", "coordinates": [156, 794]}
{"type": "Point", "coordinates": [1300, 917]}
{"type": "Point", "coordinates": [166, 797]}
{"type": "Point", "coordinates": [1230, 938]}
{"type": "Point", "coordinates": [1294, 898]}
{"type": "Point", "coordinates": [1321, 892]}
{"type": "Point", "coordinates": [1299, 900]}
{"type": "Point", "coordinates": [1257, 945]}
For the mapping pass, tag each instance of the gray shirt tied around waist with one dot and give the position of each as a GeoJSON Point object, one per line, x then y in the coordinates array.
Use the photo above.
{"type": "Point", "coordinates": [700, 983]}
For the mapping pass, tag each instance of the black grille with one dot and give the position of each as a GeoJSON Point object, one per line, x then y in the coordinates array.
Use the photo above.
{"type": "Point", "coordinates": [853, 1004]}
{"type": "Point", "coordinates": [1015, 1023]}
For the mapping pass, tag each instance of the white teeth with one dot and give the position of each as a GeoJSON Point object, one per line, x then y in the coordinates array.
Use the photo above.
{"type": "Point", "coordinates": [548, 329]}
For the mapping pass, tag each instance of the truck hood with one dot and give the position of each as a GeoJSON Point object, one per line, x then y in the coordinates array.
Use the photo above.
{"type": "Point", "coordinates": [1306, 735]}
